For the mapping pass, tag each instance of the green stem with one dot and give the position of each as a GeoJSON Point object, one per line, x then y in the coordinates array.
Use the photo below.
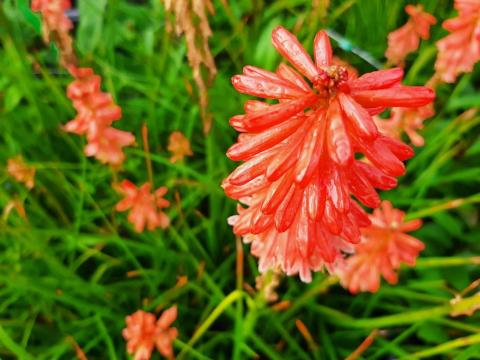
{"type": "Point", "coordinates": [446, 261]}
{"type": "Point", "coordinates": [408, 317]}
{"type": "Point", "coordinates": [239, 335]}
{"type": "Point", "coordinates": [226, 302]}
{"type": "Point", "coordinates": [268, 350]}
{"type": "Point", "coordinates": [192, 352]}
{"type": "Point", "coordinates": [108, 340]}
{"type": "Point", "coordinates": [321, 288]}
{"type": "Point", "coordinates": [451, 204]}
{"type": "Point", "coordinates": [11, 345]}
{"type": "Point", "coordinates": [445, 347]}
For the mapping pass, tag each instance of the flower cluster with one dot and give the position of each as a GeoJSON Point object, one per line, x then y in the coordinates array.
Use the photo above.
{"type": "Point", "coordinates": [21, 172]}
{"type": "Point", "coordinates": [96, 111]}
{"type": "Point", "coordinates": [300, 155]}
{"type": "Point", "coordinates": [459, 51]}
{"type": "Point", "coordinates": [56, 26]}
{"type": "Point", "coordinates": [406, 39]}
{"type": "Point", "coordinates": [383, 247]}
{"type": "Point", "coordinates": [405, 120]}
{"type": "Point", "coordinates": [145, 207]}
{"type": "Point", "coordinates": [144, 332]}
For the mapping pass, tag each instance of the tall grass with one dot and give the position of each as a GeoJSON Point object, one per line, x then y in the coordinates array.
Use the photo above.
{"type": "Point", "coordinates": [76, 268]}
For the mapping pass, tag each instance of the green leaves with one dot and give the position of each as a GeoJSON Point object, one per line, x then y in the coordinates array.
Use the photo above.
{"type": "Point", "coordinates": [76, 269]}
{"type": "Point", "coordinates": [91, 24]}
{"type": "Point", "coordinates": [13, 96]}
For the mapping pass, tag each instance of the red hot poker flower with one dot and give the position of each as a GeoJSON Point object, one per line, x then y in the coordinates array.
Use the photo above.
{"type": "Point", "coordinates": [300, 166]}
{"type": "Point", "coordinates": [144, 332]}
{"type": "Point", "coordinates": [145, 207]}
{"type": "Point", "coordinates": [384, 246]}
{"type": "Point", "coordinates": [459, 51]}
{"type": "Point", "coordinates": [56, 25]}
{"type": "Point", "coordinates": [96, 111]}
{"type": "Point", "coordinates": [406, 39]}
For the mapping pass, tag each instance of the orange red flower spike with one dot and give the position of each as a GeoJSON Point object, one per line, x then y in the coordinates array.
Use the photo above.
{"type": "Point", "coordinates": [406, 39]}
{"type": "Point", "coordinates": [384, 246]}
{"type": "Point", "coordinates": [460, 50]}
{"type": "Point", "coordinates": [145, 207]}
{"type": "Point", "coordinates": [56, 26]}
{"type": "Point", "coordinates": [300, 168]}
{"type": "Point", "coordinates": [96, 111]}
{"type": "Point", "coordinates": [144, 333]}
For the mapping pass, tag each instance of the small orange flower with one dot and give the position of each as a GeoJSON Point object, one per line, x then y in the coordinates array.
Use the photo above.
{"type": "Point", "coordinates": [406, 39]}
{"type": "Point", "coordinates": [406, 120]}
{"type": "Point", "coordinates": [144, 332]}
{"type": "Point", "coordinates": [460, 50]}
{"type": "Point", "coordinates": [384, 246]}
{"type": "Point", "coordinates": [179, 146]}
{"type": "Point", "coordinates": [107, 144]}
{"type": "Point", "coordinates": [145, 207]}
{"type": "Point", "coordinates": [56, 26]}
{"type": "Point", "coordinates": [23, 173]}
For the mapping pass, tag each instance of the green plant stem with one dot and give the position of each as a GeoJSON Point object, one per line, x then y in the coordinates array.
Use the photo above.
{"type": "Point", "coordinates": [226, 302]}
{"type": "Point", "coordinates": [445, 347]}
{"type": "Point", "coordinates": [407, 317]}
{"type": "Point", "coordinates": [238, 335]}
{"type": "Point", "coordinates": [447, 205]}
{"type": "Point", "coordinates": [321, 288]}
{"type": "Point", "coordinates": [11, 345]}
{"type": "Point", "coordinates": [446, 261]}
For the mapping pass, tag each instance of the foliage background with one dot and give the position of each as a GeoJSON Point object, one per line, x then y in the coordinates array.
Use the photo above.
{"type": "Point", "coordinates": [75, 269]}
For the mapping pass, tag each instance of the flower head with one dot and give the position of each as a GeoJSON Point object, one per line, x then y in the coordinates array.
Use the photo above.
{"type": "Point", "coordinates": [140, 334]}
{"type": "Point", "coordinates": [23, 173]}
{"type": "Point", "coordinates": [300, 168]}
{"type": "Point", "coordinates": [406, 39]}
{"type": "Point", "coordinates": [405, 120]}
{"type": "Point", "coordinates": [56, 26]}
{"type": "Point", "coordinates": [179, 146]}
{"type": "Point", "coordinates": [460, 50]}
{"type": "Point", "coordinates": [145, 207]}
{"type": "Point", "coordinates": [144, 332]}
{"type": "Point", "coordinates": [96, 111]}
{"type": "Point", "coordinates": [384, 246]}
